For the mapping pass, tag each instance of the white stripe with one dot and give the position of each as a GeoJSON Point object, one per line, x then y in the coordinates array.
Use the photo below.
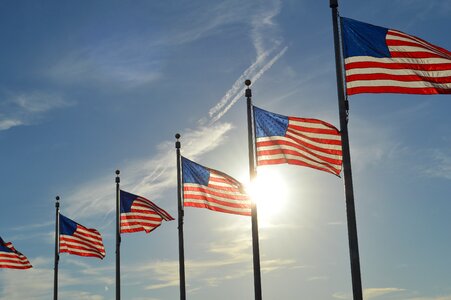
{"type": "Point", "coordinates": [220, 191]}
{"type": "Point", "coordinates": [288, 139]}
{"type": "Point", "coordinates": [433, 60]}
{"type": "Point", "coordinates": [413, 39]}
{"type": "Point", "coordinates": [396, 83]}
{"type": "Point", "coordinates": [213, 204]}
{"type": "Point", "coordinates": [434, 74]}
{"type": "Point", "coordinates": [85, 251]}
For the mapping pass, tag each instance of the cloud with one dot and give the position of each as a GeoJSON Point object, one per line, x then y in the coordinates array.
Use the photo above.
{"type": "Point", "coordinates": [371, 293]}
{"type": "Point", "coordinates": [441, 165]}
{"type": "Point", "coordinates": [152, 175]}
{"type": "Point", "coordinates": [24, 108]}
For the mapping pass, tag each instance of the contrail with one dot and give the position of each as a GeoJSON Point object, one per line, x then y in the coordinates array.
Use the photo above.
{"type": "Point", "coordinates": [238, 86]}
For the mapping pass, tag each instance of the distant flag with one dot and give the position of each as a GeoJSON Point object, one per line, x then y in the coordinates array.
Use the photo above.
{"type": "Point", "coordinates": [381, 60]}
{"type": "Point", "coordinates": [298, 141]}
{"type": "Point", "coordinates": [140, 214]}
{"type": "Point", "coordinates": [11, 258]}
{"type": "Point", "coordinates": [78, 240]}
{"type": "Point", "coordinates": [207, 188]}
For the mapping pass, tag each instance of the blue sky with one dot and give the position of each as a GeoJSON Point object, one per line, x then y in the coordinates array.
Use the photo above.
{"type": "Point", "coordinates": [90, 87]}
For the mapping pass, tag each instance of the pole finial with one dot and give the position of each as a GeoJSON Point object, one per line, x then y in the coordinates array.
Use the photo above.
{"type": "Point", "coordinates": [247, 82]}
{"type": "Point", "coordinates": [57, 198]}
{"type": "Point", "coordinates": [177, 143]}
{"type": "Point", "coordinates": [333, 3]}
{"type": "Point", "coordinates": [118, 179]}
{"type": "Point", "coordinates": [248, 92]}
{"type": "Point", "coordinates": [118, 172]}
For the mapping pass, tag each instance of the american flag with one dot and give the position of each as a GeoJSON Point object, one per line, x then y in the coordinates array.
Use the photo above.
{"type": "Point", "coordinates": [11, 258]}
{"type": "Point", "coordinates": [298, 141]}
{"type": "Point", "coordinates": [140, 214]}
{"type": "Point", "coordinates": [207, 188]}
{"type": "Point", "coordinates": [381, 60]}
{"type": "Point", "coordinates": [78, 240]}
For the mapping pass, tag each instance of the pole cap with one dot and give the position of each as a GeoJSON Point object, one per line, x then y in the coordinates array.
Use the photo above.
{"type": "Point", "coordinates": [247, 82]}
{"type": "Point", "coordinates": [333, 3]}
{"type": "Point", "coordinates": [177, 135]}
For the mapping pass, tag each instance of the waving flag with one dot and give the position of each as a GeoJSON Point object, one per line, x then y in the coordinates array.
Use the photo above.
{"type": "Point", "coordinates": [78, 240]}
{"type": "Point", "coordinates": [208, 188]}
{"type": "Point", "coordinates": [11, 258]}
{"type": "Point", "coordinates": [381, 60]}
{"type": "Point", "coordinates": [140, 214]}
{"type": "Point", "coordinates": [297, 141]}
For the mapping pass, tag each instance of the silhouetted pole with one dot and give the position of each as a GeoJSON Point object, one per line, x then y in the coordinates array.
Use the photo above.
{"type": "Point", "coordinates": [57, 247]}
{"type": "Point", "coordinates": [343, 107]}
{"type": "Point", "coordinates": [253, 174]}
{"type": "Point", "coordinates": [118, 237]}
{"type": "Point", "coordinates": [180, 220]}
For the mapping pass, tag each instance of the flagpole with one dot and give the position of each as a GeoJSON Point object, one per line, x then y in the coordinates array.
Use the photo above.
{"type": "Point", "coordinates": [180, 220]}
{"type": "Point", "coordinates": [253, 175]}
{"type": "Point", "coordinates": [343, 107]}
{"type": "Point", "coordinates": [118, 237]}
{"type": "Point", "coordinates": [57, 242]}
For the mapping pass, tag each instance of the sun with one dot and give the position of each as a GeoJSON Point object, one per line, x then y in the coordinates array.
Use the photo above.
{"type": "Point", "coordinates": [269, 192]}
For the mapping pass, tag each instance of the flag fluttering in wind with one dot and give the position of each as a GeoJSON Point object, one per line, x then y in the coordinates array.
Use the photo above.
{"type": "Point", "coordinates": [381, 60]}
{"type": "Point", "coordinates": [78, 240]}
{"type": "Point", "coordinates": [11, 258]}
{"type": "Point", "coordinates": [140, 214]}
{"type": "Point", "coordinates": [207, 188]}
{"type": "Point", "coordinates": [299, 141]}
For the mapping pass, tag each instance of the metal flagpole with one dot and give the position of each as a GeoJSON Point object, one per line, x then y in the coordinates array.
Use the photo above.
{"type": "Point", "coordinates": [118, 237]}
{"type": "Point", "coordinates": [343, 107]}
{"type": "Point", "coordinates": [180, 220]}
{"type": "Point", "coordinates": [57, 244]}
{"type": "Point", "coordinates": [253, 174]}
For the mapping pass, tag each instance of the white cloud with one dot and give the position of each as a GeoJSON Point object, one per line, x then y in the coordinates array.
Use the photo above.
{"type": "Point", "coordinates": [371, 293]}
{"type": "Point", "coordinates": [441, 166]}
{"type": "Point", "coordinates": [27, 107]}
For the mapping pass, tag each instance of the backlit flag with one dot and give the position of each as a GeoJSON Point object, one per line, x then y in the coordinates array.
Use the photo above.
{"type": "Point", "coordinates": [298, 141]}
{"type": "Point", "coordinates": [381, 60]}
{"type": "Point", "coordinates": [207, 188]}
{"type": "Point", "coordinates": [11, 258]}
{"type": "Point", "coordinates": [140, 214]}
{"type": "Point", "coordinates": [78, 240]}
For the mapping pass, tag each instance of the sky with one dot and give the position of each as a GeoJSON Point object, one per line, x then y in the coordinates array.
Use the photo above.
{"type": "Point", "coordinates": [88, 87]}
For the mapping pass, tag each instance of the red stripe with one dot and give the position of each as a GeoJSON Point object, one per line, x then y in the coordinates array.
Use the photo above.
{"type": "Point", "coordinates": [414, 38]}
{"type": "Point", "coordinates": [296, 162]}
{"type": "Point", "coordinates": [133, 217]}
{"type": "Point", "coordinates": [299, 144]}
{"type": "Point", "coordinates": [216, 193]}
{"type": "Point", "coordinates": [322, 160]}
{"type": "Point", "coordinates": [397, 90]}
{"type": "Point", "coordinates": [75, 252]}
{"type": "Point", "coordinates": [382, 76]}
{"type": "Point", "coordinates": [214, 208]}
{"type": "Point", "coordinates": [208, 198]}
{"type": "Point", "coordinates": [398, 66]}
{"type": "Point", "coordinates": [16, 267]}
{"type": "Point", "coordinates": [415, 54]}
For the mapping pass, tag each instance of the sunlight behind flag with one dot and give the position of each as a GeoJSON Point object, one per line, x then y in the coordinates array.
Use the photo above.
{"type": "Point", "coordinates": [270, 192]}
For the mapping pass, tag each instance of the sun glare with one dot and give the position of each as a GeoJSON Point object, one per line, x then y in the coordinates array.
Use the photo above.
{"type": "Point", "coordinates": [269, 192]}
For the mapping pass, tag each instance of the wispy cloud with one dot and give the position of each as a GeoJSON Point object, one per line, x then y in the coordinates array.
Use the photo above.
{"type": "Point", "coordinates": [155, 174]}
{"type": "Point", "coordinates": [24, 108]}
{"type": "Point", "coordinates": [441, 165]}
{"type": "Point", "coordinates": [371, 293]}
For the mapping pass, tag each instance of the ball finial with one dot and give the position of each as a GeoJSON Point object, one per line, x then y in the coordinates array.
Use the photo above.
{"type": "Point", "coordinates": [177, 135]}
{"type": "Point", "coordinates": [247, 82]}
{"type": "Point", "coordinates": [57, 198]}
{"type": "Point", "coordinates": [118, 172]}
